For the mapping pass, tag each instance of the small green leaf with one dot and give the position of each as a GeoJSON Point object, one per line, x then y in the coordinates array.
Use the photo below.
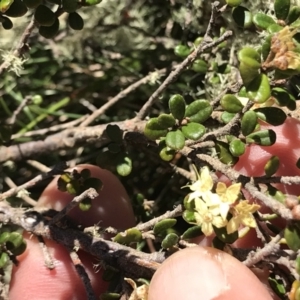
{"type": "Point", "coordinates": [292, 235]}
{"type": "Point", "coordinates": [293, 15]}
{"type": "Point", "coordinates": [224, 153]}
{"type": "Point", "coordinates": [114, 133]}
{"type": "Point", "coordinates": [110, 296]}
{"type": "Point", "coordinates": [263, 137]}
{"type": "Point", "coordinates": [182, 50]}
{"type": "Point", "coordinates": [278, 286]}
{"type": "Point", "coordinates": [242, 16]}
{"type": "Point", "coordinates": [166, 121]}
{"type": "Point", "coordinates": [175, 140]}
{"type": "Point", "coordinates": [281, 96]}
{"type": "Point", "coordinates": [167, 154]}
{"type": "Point", "coordinates": [234, 3]}
{"type": "Point", "coordinates": [131, 235]}
{"type": "Point", "coordinates": [259, 89]}
{"type": "Point", "coordinates": [226, 117]}
{"type": "Point", "coordinates": [189, 204]}
{"type": "Point", "coordinates": [124, 165]}
{"type": "Point", "coordinates": [193, 131]}
{"type": "Point", "coordinates": [189, 216]}
{"type": "Point", "coordinates": [50, 32]}
{"type": "Point", "coordinates": [272, 115]}
{"type": "Point", "coordinates": [7, 24]}
{"type": "Point", "coordinates": [200, 66]}
{"type": "Point", "coordinates": [276, 194]}
{"type": "Point", "coordinates": [198, 111]}
{"type": "Point", "coordinates": [89, 2]}
{"type": "Point", "coordinates": [222, 234]}
{"type": "Point", "coordinates": [192, 232]}
{"type": "Point", "coordinates": [248, 122]}
{"type": "Point", "coordinates": [14, 9]}
{"type": "Point", "coordinates": [169, 241]}
{"type": "Point", "coordinates": [250, 56]}
{"type": "Point", "coordinates": [272, 166]}
{"type": "Point", "coordinates": [4, 259]}
{"type": "Point", "coordinates": [177, 106]}
{"type": "Point", "coordinates": [237, 147]}
{"type": "Point", "coordinates": [266, 47]}
{"type": "Point", "coordinates": [5, 4]}
{"type": "Point", "coordinates": [274, 28]}
{"type": "Point", "coordinates": [92, 182]}
{"type": "Point", "coordinates": [163, 225]}
{"type": "Point", "coordinates": [262, 21]}
{"type": "Point", "coordinates": [75, 21]}
{"type": "Point", "coordinates": [282, 8]}
{"type": "Point", "coordinates": [231, 103]}
{"type": "Point", "coordinates": [14, 241]}
{"type": "Point", "coordinates": [4, 236]}
{"type": "Point", "coordinates": [153, 129]}
{"type": "Point", "coordinates": [44, 16]}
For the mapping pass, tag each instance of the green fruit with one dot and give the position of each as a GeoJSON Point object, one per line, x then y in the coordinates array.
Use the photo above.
{"type": "Point", "coordinates": [44, 16]}
{"type": "Point", "coordinates": [51, 31]}
{"type": "Point", "coordinates": [70, 5]}
{"type": "Point", "coordinates": [75, 21]}
{"type": "Point", "coordinates": [7, 23]}
{"type": "Point", "coordinates": [16, 9]}
{"type": "Point", "coordinates": [32, 3]}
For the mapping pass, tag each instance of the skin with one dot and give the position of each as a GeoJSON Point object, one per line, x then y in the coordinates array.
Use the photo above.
{"type": "Point", "coordinates": [194, 273]}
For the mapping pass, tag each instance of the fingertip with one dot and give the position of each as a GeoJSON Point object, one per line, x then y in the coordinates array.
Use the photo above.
{"type": "Point", "coordinates": [205, 273]}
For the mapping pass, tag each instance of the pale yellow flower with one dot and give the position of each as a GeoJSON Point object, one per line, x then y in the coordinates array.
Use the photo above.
{"type": "Point", "coordinates": [207, 216]}
{"type": "Point", "coordinates": [201, 188]}
{"type": "Point", "coordinates": [227, 195]}
{"type": "Point", "coordinates": [242, 215]}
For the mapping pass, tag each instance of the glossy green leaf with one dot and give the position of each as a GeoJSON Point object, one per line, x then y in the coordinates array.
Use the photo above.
{"type": "Point", "coordinates": [167, 154]}
{"type": "Point", "coordinates": [224, 153]}
{"type": "Point", "coordinates": [175, 140]}
{"type": "Point", "coordinates": [5, 4]}
{"type": "Point", "coordinates": [248, 122]}
{"type": "Point", "coordinates": [92, 182]}
{"type": "Point", "coordinates": [193, 131]}
{"type": "Point", "coordinates": [163, 225]}
{"type": "Point", "coordinates": [14, 241]}
{"type": "Point", "coordinates": [272, 115]}
{"type": "Point", "coordinates": [177, 106]}
{"type": "Point", "coordinates": [114, 133]}
{"type": "Point", "coordinates": [170, 241]}
{"type": "Point", "coordinates": [272, 166]}
{"type": "Point", "coordinates": [90, 2]}
{"type": "Point", "coordinates": [32, 3]}
{"type": "Point", "coordinates": [259, 89]}
{"type": "Point", "coordinates": [15, 9]}
{"type": "Point", "coordinates": [237, 147]}
{"type": "Point", "coordinates": [226, 117]}
{"type": "Point", "coordinates": [222, 234]}
{"type": "Point", "coordinates": [153, 129]}
{"type": "Point", "coordinates": [4, 259]}
{"type": "Point", "coordinates": [182, 50]}
{"type": "Point", "coordinates": [293, 15]}
{"type": "Point", "coordinates": [20, 249]}
{"type": "Point", "coordinates": [198, 111]}
{"type": "Point", "coordinates": [166, 121]}
{"type": "Point", "coordinates": [231, 103]}
{"type": "Point", "coordinates": [50, 32]}
{"type": "Point", "coordinates": [292, 235]}
{"type": "Point", "coordinates": [263, 21]}
{"type": "Point", "coordinates": [114, 148]}
{"type": "Point", "coordinates": [75, 21]}
{"type": "Point", "coordinates": [70, 5]}
{"type": "Point", "coordinates": [242, 16]}
{"type": "Point", "coordinates": [281, 96]}
{"type": "Point", "coordinates": [189, 216]}
{"type": "Point", "coordinates": [131, 235]}
{"type": "Point", "coordinates": [247, 53]}
{"type": "Point", "coordinates": [44, 16]}
{"type": "Point", "coordinates": [4, 236]}
{"type": "Point", "coordinates": [278, 286]}
{"type": "Point", "coordinates": [266, 47]}
{"type": "Point", "coordinates": [234, 3]}
{"type": "Point", "coordinates": [263, 137]}
{"type": "Point", "coordinates": [282, 8]}
{"type": "Point", "coordinates": [192, 232]}
{"type": "Point", "coordinates": [124, 165]}
{"type": "Point", "coordinates": [276, 194]}
{"type": "Point", "coordinates": [199, 66]}
{"type": "Point", "coordinates": [85, 205]}
{"type": "Point", "coordinates": [110, 296]}
{"type": "Point", "coordinates": [7, 24]}
{"type": "Point", "coordinates": [274, 28]}
{"type": "Point", "coordinates": [188, 203]}
{"type": "Point", "coordinates": [248, 73]}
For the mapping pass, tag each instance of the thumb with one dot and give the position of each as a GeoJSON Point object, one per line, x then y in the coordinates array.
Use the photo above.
{"type": "Point", "coordinates": [205, 273]}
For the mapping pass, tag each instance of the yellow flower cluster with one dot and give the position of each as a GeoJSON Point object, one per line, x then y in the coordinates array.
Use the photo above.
{"type": "Point", "coordinates": [211, 209]}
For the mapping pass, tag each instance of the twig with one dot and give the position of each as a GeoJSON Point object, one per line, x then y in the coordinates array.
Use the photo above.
{"type": "Point", "coordinates": [83, 275]}
{"type": "Point", "coordinates": [23, 103]}
{"type": "Point", "coordinates": [178, 70]}
{"type": "Point", "coordinates": [120, 96]}
{"type": "Point", "coordinates": [54, 128]}
{"type": "Point", "coordinates": [37, 165]}
{"type": "Point", "coordinates": [13, 191]}
{"type": "Point", "coordinates": [89, 193]}
{"type": "Point", "coordinates": [49, 263]}
{"type": "Point", "coordinates": [169, 214]}
{"type": "Point", "coordinates": [21, 45]}
{"type": "Point", "coordinates": [23, 196]}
